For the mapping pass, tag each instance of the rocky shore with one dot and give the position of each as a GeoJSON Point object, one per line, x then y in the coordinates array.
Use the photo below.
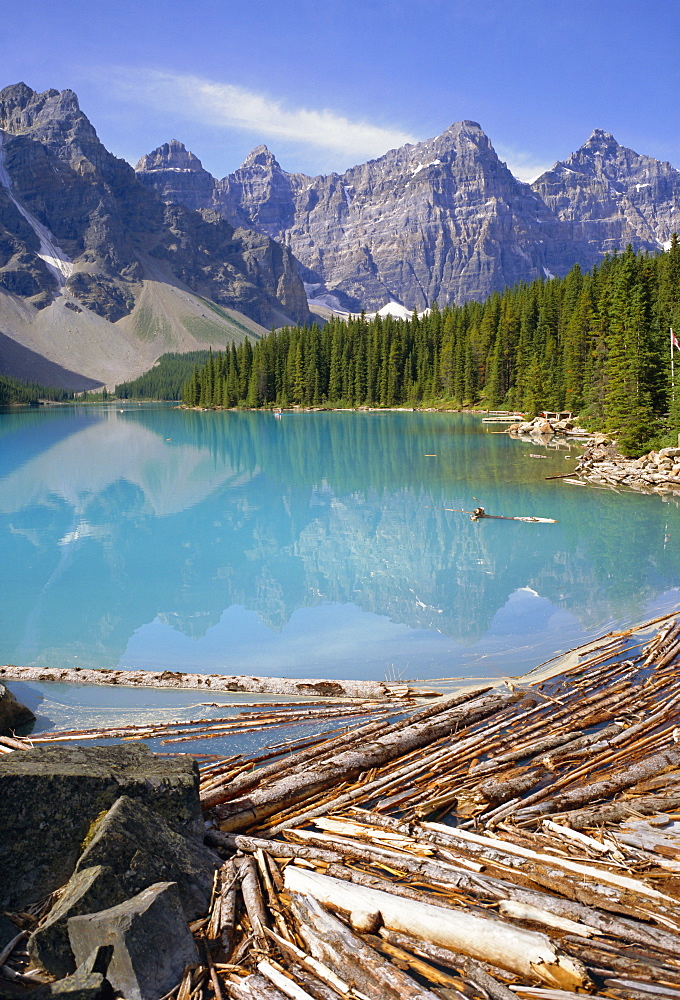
{"type": "Point", "coordinates": [658, 471]}
{"type": "Point", "coordinates": [544, 428]}
{"type": "Point", "coordinates": [601, 464]}
{"type": "Point", "coordinates": [103, 870]}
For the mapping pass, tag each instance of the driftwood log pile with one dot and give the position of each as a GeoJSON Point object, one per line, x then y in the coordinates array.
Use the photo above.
{"type": "Point", "coordinates": [513, 842]}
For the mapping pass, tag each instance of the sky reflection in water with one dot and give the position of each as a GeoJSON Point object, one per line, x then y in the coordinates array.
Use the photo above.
{"type": "Point", "coordinates": [314, 545]}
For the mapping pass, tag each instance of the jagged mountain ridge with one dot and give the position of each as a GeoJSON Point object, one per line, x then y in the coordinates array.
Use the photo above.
{"type": "Point", "coordinates": [443, 219]}
{"type": "Point", "coordinates": [613, 195]}
{"type": "Point", "coordinates": [97, 275]}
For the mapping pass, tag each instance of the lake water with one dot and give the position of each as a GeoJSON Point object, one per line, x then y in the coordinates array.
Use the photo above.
{"type": "Point", "coordinates": [315, 545]}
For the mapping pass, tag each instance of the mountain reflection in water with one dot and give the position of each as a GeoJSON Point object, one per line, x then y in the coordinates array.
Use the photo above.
{"type": "Point", "coordinates": [314, 545]}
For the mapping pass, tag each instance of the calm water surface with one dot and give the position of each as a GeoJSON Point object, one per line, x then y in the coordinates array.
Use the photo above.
{"type": "Point", "coordinates": [314, 545]}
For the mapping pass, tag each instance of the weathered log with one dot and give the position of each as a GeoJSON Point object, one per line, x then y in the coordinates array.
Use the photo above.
{"type": "Point", "coordinates": [281, 981]}
{"type": "Point", "coordinates": [494, 817]}
{"type": "Point", "coordinates": [246, 868]}
{"type": "Point", "coordinates": [276, 848]}
{"type": "Point", "coordinates": [318, 989]}
{"type": "Point", "coordinates": [622, 961]}
{"type": "Point", "coordinates": [319, 751]}
{"type": "Point", "coordinates": [642, 989]}
{"type": "Point", "coordinates": [549, 742]}
{"type": "Point", "coordinates": [526, 953]}
{"type": "Point", "coordinates": [437, 873]}
{"type": "Point", "coordinates": [254, 987]}
{"type": "Point", "coordinates": [501, 789]}
{"type": "Point", "coordinates": [424, 969]}
{"type": "Point", "coordinates": [236, 815]}
{"type": "Point", "coordinates": [245, 780]}
{"type": "Point", "coordinates": [607, 787]}
{"type": "Point", "coordinates": [597, 874]}
{"type": "Point", "coordinates": [477, 973]}
{"type": "Point", "coordinates": [359, 877]}
{"type": "Point", "coordinates": [364, 690]}
{"type": "Point", "coordinates": [486, 887]}
{"type": "Point", "coordinates": [310, 963]}
{"type": "Point", "coordinates": [227, 905]}
{"type": "Point", "coordinates": [539, 915]}
{"type": "Point", "coordinates": [334, 944]}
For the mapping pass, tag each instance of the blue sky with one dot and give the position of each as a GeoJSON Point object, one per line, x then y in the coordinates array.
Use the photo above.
{"type": "Point", "coordinates": [327, 85]}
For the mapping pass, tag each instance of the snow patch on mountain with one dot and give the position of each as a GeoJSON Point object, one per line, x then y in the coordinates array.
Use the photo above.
{"type": "Point", "coordinates": [50, 252]}
{"type": "Point", "coordinates": [424, 166]}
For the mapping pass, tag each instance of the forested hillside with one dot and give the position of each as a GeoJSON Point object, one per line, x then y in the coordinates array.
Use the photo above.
{"type": "Point", "coordinates": [12, 390]}
{"type": "Point", "coordinates": [596, 343]}
{"type": "Point", "coordinates": [165, 379]}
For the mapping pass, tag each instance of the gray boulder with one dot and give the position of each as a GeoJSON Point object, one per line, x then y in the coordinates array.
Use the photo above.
{"type": "Point", "coordinates": [87, 891]}
{"type": "Point", "coordinates": [12, 713]}
{"type": "Point", "coordinates": [151, 942]}
{"type": "Point", "coordinates": [51, 797]}
{"type": "Point", "coordinates": [140, 848]}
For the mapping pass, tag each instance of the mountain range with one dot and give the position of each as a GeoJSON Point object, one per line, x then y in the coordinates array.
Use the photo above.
{"type": "Point", "coordinates": [104, 267]}
{"type": "Point", "coordinates": [97, 276]}
{"type": "Point", "coordinates": [440, 220]}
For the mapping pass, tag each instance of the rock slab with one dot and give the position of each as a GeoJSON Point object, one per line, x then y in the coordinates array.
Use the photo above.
{"type": "Point", "coordinates": [88, 982]}
{"type": "Point", "coordinates": [140, 848]}
{"type": "Point", "coordinates": [87, 891]}
{"type": "Point", "coordinates": [50, 797]}
{"type": "Point", "coordinates": [150, 938]}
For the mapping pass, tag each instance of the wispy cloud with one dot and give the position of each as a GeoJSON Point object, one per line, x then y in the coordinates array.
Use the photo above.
{"type": "Point", "coordinates": [223, 105]}
{"type": "Point", "coordinates": [524, 165]}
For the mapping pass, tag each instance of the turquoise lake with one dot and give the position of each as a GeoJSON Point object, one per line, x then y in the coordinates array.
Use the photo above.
{"type": "Point", "coordinates": [315, 545]}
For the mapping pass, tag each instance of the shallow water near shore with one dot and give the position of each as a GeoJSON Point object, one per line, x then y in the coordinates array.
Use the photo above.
{"type": "Point", "coordinates": [315, 545]}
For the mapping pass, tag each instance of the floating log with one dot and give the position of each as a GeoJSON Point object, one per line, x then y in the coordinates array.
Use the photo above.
{"type": "Point", "coordinates": [316, 687]}
{"type": "Point", "coordinates": [264, 802]}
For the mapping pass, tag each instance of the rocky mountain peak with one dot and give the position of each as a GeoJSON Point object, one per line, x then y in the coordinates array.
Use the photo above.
{"type": "Point", "coordinates": [613, 196]}
{"type": "Point", "coordinates": [177, 176]}
{"type": "Point", "coordinates": [171, 155]}
{"type": "Point", "coordinates": [22, 109]}
{"type": "Point", "coordinates": [599, 144]}
{"type": "Point", "coordinates": [598, 138]}
{"type": "Point", "coordinates": [445, 219]}
{"type": "Point", "coordinates": [80, 231]}
{"type": "Point", "coordinates": [260, 157]}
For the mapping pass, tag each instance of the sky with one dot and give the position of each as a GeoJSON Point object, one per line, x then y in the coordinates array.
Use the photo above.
{"type": "Point", "coordinates": [326, 85]}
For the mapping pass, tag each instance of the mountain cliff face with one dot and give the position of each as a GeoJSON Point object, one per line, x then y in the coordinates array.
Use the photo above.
{"type": "Point", "coordinates": [78, 228]}
{"type": "Point", "coordinates": [443, 219]}
{"type": "Point", "coordinates": [613, 196]}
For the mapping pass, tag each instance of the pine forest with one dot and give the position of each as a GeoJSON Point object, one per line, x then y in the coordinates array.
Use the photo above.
{"type": "Point", "coordinates": [597, 344]}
